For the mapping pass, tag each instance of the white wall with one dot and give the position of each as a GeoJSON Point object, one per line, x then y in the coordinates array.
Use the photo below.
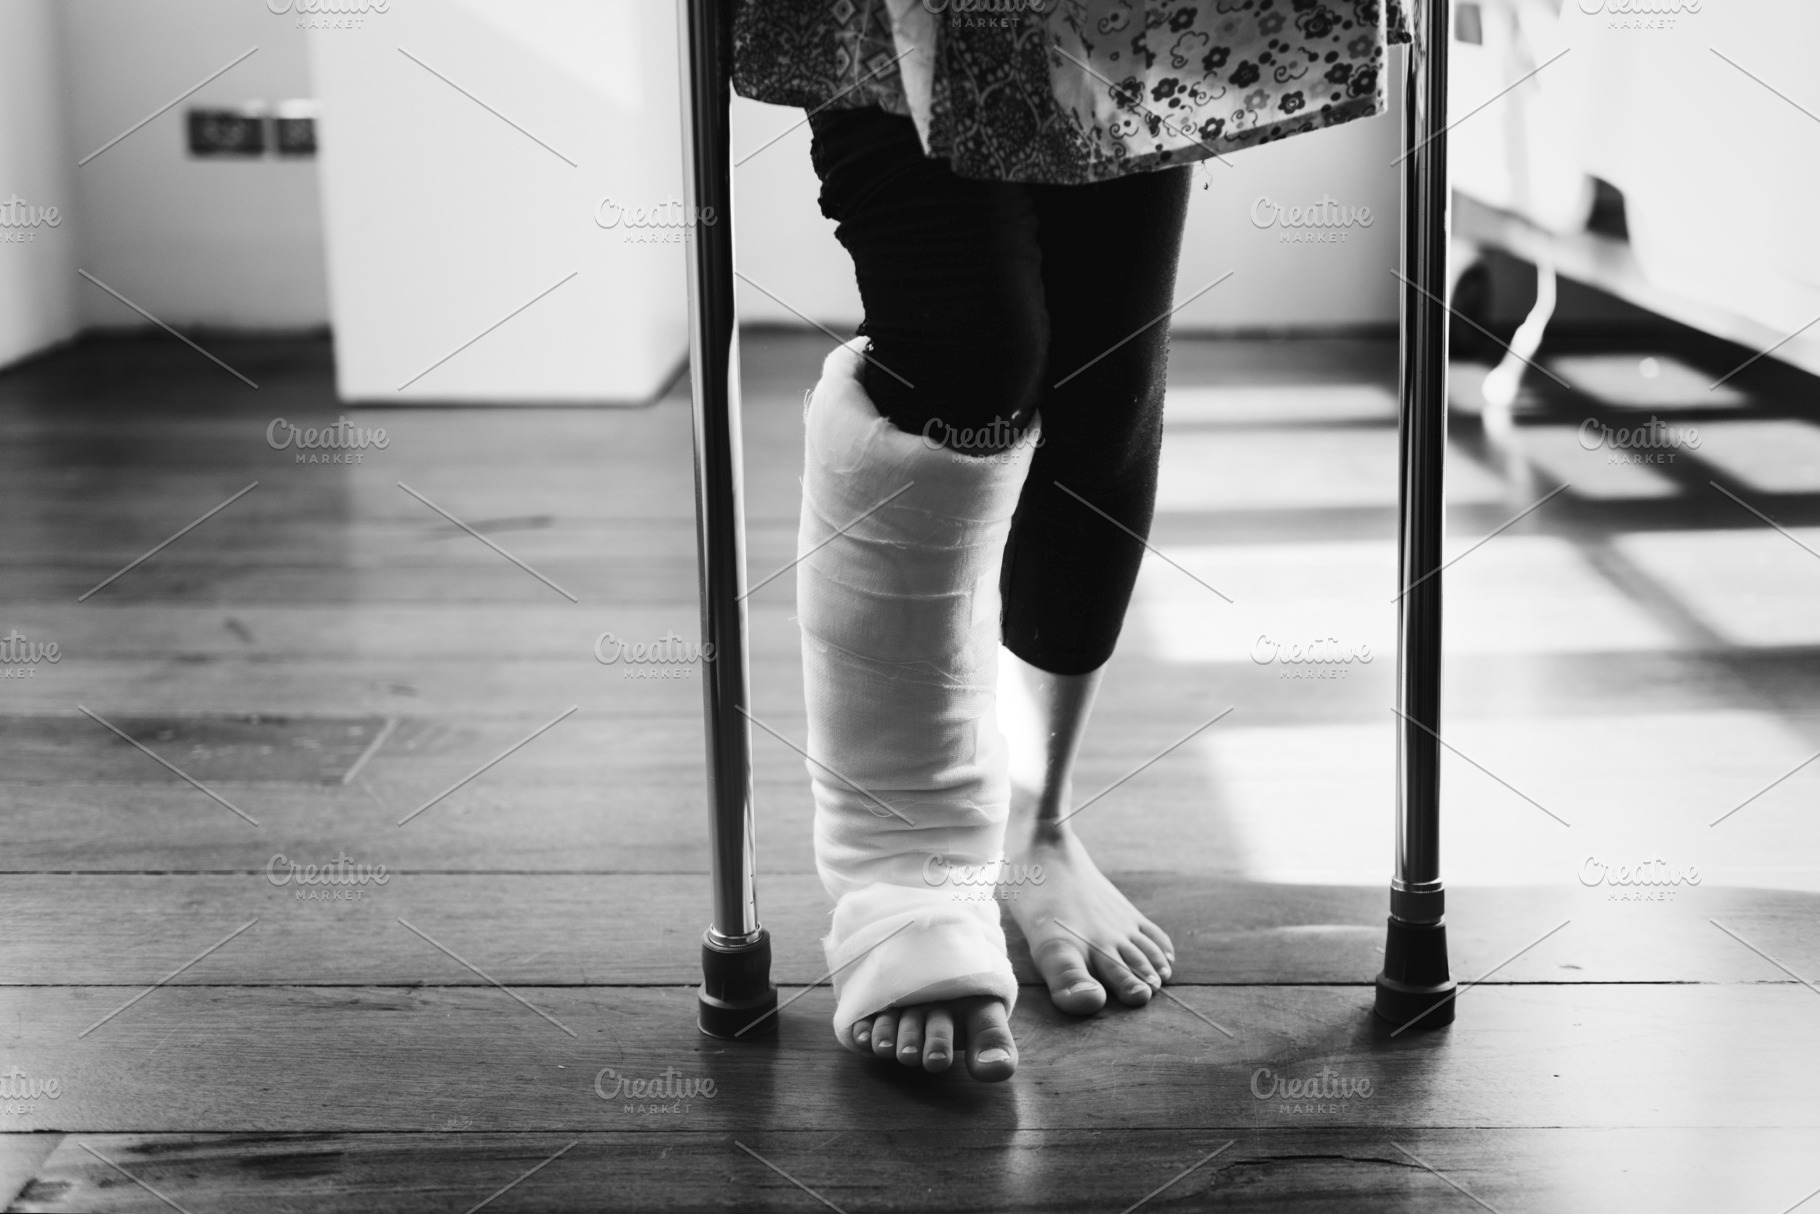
{"type": "Point", "coordinates": [1281, 285]}
{"type": "Point", "coordinates": [442, 218]}
{"type": "Point", "coordinates": [781, 240]}
{"type": "Point", "coordinates": [37, 263]}
{"type": "Point", "coordinates": [200, 242]}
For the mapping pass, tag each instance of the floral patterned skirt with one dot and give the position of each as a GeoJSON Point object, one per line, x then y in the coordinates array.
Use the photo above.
{"type": "Point", "coordinates": [1069, 91]}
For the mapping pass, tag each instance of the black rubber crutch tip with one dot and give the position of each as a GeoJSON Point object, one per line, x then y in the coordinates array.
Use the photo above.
{"type": "Point", "coordinates": [737, 1000]}
{"type": "Point", "coordinates": [1415, 990]}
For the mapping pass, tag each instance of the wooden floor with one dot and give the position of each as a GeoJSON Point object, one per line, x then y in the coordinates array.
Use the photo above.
{"type": "Point", "coordinates": [1634, 675]}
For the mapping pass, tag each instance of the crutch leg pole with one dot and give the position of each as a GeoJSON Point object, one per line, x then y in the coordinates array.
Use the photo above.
{"type": "Point", "coordinates": [1416, 989]}
{"type": "Point", "coordinates": [736, 992]}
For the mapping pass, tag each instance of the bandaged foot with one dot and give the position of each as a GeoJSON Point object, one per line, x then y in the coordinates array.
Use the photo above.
{"type": "Point", "coordinates": [897, 597]}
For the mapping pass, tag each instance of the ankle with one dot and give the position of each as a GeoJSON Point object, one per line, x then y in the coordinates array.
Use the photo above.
{"type": "Point", "coordinates": [1036, 825]}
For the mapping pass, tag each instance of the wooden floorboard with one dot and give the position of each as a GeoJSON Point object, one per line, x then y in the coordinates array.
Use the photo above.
{"type": "Point", "coordinates": [21, 1157]}
{"type": "Point", "coordinates": [357, 674]}
{"type": "Point", "coordinates": [1538, 1171]}
{"type": "Point", "coordinates": [613, 929]}
{"type": "Point", "coordinates": [429, 1058]}
{"type": "Point", "coordinates": [1646, 1055]}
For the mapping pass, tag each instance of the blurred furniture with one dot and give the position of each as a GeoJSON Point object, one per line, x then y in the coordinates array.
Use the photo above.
{"type": "Point", "coordinates": [1647, 156]}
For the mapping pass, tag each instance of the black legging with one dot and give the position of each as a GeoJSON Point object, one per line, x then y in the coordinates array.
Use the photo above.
{"type": "Point", "coordinates": [981, 298]}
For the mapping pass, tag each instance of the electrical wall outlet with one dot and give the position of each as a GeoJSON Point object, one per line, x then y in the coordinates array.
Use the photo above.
{"type": "Point", "coordinates": [251, 130]}
{"type": "Point", "coordinates": [228, 132]}
{"type": "Point", "coordinates": [294, 128]}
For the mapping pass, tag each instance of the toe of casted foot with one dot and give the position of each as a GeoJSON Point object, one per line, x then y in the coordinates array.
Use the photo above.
{"type": "Point", "coordinates": [910, 1036]}
{"type": "Point", "coordinates": [938, 1040]}
{"type": "Point", "coordinates": [884, 1034]}
{"type": "Point", "coordinates": [991, 1051]}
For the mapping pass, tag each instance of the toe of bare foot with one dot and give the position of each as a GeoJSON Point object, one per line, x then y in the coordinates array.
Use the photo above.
{"type": "Point", "coordinates": [1072, 986]}
{"type": "Point", "coordinates": [1087, 939]}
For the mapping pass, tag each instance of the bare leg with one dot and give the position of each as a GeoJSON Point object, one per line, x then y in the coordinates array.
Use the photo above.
{"type": "Point", "coordinates": [1082, 931]}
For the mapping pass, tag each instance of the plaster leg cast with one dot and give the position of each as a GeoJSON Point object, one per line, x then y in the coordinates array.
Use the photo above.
{"type": "Point", "coordinates": [900, 622]}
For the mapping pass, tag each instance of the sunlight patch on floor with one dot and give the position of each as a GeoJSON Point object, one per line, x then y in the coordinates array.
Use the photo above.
{"type": "Point", "coordinates": [1513, 595]}
{"type": "Point", "coordinates": [1265, 404]}
{"type": "Point", "coordinates": [1755, 588]}
{"type": "Point", "coordinates": [1314, 803]}
{"type": "Point", "coordinates": [1290, 470]}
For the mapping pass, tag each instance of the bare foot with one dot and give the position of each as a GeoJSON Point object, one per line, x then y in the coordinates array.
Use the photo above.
{"type": "Point", "coordinates": [1082, 930]}
{"type": "Point", "coordinates": [928, 1035]}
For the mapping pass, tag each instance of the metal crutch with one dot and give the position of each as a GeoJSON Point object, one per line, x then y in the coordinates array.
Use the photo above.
{"type": "Point", "coordinates": [736, 992]}
{"type": "Point", "coordinates": [1415, 988]}
{"type": "Point", "coordinates": [736, 951]}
